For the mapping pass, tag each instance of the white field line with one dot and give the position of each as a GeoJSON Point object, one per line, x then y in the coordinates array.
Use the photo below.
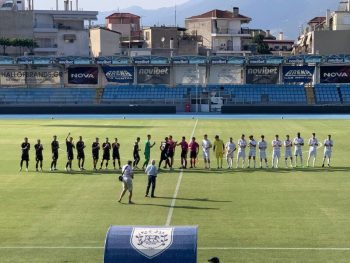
{"type": "Point", "coordinates": [173, 201]}
{"type": "Point", "coordinates": [199, 248]}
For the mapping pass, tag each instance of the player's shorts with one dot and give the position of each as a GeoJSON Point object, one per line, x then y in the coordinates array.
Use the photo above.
{"type": "Point", "coordinates": [327, 153]}
{"type": "Point", "coordinates": [70, 156]}
{"type": "Point", "coordinates": [54, 156]}
{"type": "Point", "coordinates": [219, 155]}
{"type": "Point", "coordinates": [170, 154]}
{"type": "Point", "coordinates": [262, 154]}
{"type": "Point", "coordinates": [163, 156]}
{"type": "Point", "coordinates": [276, 155]}
{"type": "Point", "coordinates": [193, 155]}
{"type": "Point", "coordinates": [25, 157]}
{"type": "Point", "coordinates": [206, 154]}
{"type": "Point", "coordinates": [39, 158]}
{"type": "Point", "coordinates": [95, 156]}
{"type": "Point", "coordinates": [81, 155]}
{"type": "Point", "coordinates": [252, 153]}
{"type": "Point", "coordinates": [288, 154]}
{"type": "Point", "coordinates": [127, 184]}
{"type": "Point", "coordinates": [313, 152]}
{"type": "Point", "coordinates": [116, 156]}
{"type": "Point", "coordinates": [241, 154]}
{"type": "Point", "coordinates": [106, 156]}
{"type": "Point", "coordinates": [184, 154]}
{"type": "Point", "coordinates": [229, 155]}
{"type": "Point", "coordinates": [147, 156]}
{"type": "Point", "coordinates": [298, 152]}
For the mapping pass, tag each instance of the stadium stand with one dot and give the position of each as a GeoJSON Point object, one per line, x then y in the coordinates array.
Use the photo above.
{"type": "Point", "coordinates": [327, 94]}
{"type": "Point", "coordinates": [345, 92]}
{"type": "Point", "coordinates": [47, 96]}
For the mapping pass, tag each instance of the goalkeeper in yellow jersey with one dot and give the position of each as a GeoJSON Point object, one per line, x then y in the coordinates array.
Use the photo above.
{"type": "Point", "coordinates": [219, 149]}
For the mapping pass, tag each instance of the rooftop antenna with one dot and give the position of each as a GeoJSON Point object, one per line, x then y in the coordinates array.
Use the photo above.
{"type": "Point", "coordinates": [175, 14]}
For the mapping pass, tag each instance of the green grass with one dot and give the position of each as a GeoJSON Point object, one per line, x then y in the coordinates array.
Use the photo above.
{"type": "Point", "coordinates": [285, 208]}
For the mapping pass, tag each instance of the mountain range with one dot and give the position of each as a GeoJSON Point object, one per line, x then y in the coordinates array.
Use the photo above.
{"type": "Point", "coordinates": [277, 15]}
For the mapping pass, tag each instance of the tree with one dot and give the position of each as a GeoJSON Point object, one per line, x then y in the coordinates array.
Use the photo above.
{"type": "Point", "coordinates": [5, 43]}
{"type": "Point", "coordinates": [262, 47]}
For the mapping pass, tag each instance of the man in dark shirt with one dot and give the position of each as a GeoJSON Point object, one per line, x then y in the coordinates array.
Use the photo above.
{"type": "Point", "coordinates": [116, 154]}
{"type": "Point", "coordinates": [25, 147]}
{"type": "Point", "coordinates": [184, 151]}
{"type": "Point", "coordinates": [70, 155]}
{"type": "Point", "coordinates": [39, 155]}
{"type": "Point", "coordinates": [81, 153]}
{"type": "Point", "coordinates": [171, 150]}
{"type": "Point", "coordinates": [106, 147]}
{"type": "Point", "coordinates": [164, 149]}
{"type": "Point", "coordinates": [54, 149]}
{"type": "Point", "coordinates": [136, 153]}
{"type": "Point", "coordinates": [194, 148]}
{"type": "Point", "coordinates": [95, 152]}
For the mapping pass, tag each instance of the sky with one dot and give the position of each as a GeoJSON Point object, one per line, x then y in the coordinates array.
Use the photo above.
{"type": "Point", "coordinates": [107, 5]}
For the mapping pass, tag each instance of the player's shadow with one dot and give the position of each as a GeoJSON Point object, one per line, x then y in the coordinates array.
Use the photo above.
{"type": "Point", "coordinates": [97, 126]}
{"type": "Point", "coordinates": [178, 206]}
{"type": "Point", "coordinates": [193, 199]}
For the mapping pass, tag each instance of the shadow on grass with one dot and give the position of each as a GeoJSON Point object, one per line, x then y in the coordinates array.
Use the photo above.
{"type": "Point", "coordinates": [178, 206]}
{"type": "Point", "coordinates": [194, 199]}
{"type": "Point", "coordinates": [97, 126]}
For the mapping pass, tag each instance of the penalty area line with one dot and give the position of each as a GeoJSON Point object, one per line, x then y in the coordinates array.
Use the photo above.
{"type": "Point", "coordinates": [173, 201]}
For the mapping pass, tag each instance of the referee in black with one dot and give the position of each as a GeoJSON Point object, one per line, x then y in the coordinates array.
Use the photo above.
{"type": "Point", "coordinates": [152, 173]}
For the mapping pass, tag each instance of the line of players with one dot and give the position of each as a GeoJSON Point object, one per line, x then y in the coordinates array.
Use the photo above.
{"type": "Point", "coordinates": [167, 148]}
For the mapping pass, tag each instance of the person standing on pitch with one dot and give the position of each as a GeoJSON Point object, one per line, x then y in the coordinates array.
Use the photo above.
{"type": "Point", "coordinates": [171, 150]}
{"type": "Point", "coordinates": [54, 149]}
{"type": "Point", "coordinates": [70, 156]}
{"type": "Point", "coordinates": [194, 149]}
{"type": "Point", "coordinates": [184, 151]}
{"type": "Point", "coordinates": [230, 149]}
{"type": "Point", "coordinates": [25, 147]}
{"type": "Point", "coordinates": [262, 145]}
{"type": "Point", "coordinates": [95, 152]}
{"type": "Point", "coordinates": [206, 145]}
{"type": "Point", "coordinates": [116, 153]}
{"type": "Point", "coordinates": [328, 145]}
{"type": "Point", "coordinates": [80, 153]}
{"type": "Point", "coordinates": [252, 150]}
{"type": "Point", "coordinates": [39, 155]}
{"type": "Point", "coordinates": [136, 153]}
{"type": "Point", "coordinates": [298, 151]}
{"type": "Point", "coordinates": [147, 151]}
{"type": "Point", "coordinates": [276, 151]}
{"type": "Point", "coordinates": [128, 176]}
{"type": "Point", "coordinates": [219, 149]}
{"type": "Point", "coordinates": [313, 144]}
{"type": "Point", "coordinates": [152, 173]}
{"type": "Point", "coordinates": [288, 144]}
{"type": "Point", "coordinates": [106, 147]}
{"type": "Point", "coordinates": [164, 147]}
{"type": "Point", "coordinates": [242, 144]}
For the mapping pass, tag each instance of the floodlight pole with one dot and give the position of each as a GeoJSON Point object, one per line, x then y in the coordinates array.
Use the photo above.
{"type": "Point", "coordinates": [197, 71]}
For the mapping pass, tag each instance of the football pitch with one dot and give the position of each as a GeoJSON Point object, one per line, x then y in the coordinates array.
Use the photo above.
{"type": "Point", "coordinates": [243, 215]}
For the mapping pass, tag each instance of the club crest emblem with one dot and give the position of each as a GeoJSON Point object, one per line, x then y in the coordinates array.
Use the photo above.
{"type": "Point", "coordinates": [151, 242]}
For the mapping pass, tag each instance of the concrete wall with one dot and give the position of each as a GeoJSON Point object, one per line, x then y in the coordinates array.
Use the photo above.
{"type": "Point", "coordinates": [80, 47]}
{"type": "Point", "coordinates": [331, 42]}
{"type": "Point", "coordinates": [201, 27]}
{"type": "Point", "coordinates": [104, 42]}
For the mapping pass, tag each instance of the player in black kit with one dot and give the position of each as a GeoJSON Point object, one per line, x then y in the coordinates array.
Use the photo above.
{"type": "Point", "coordinates": [164, 148]}
{"type": "Point", "coordinates": [116, 154]}
{"type": "Point", "coordinates": [39, 155]}
{"type": "Point", "coordinates": [80, 153]}
{"type": "Point", "coordinates": [136, 153]}
{"type": "Point", "coordinates": [54, 149]}
{"type": "Point", "coordinates": [106, 146]}
{"type": "Point", "coordinates": [70, 155]}
{"type": "Point", "coordinates": [25, 147]}
{"type": "Point", "coordinates": [95, 152]}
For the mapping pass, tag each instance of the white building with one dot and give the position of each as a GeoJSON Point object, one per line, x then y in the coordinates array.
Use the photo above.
{"type": "Point", "coordinates": [221, 30]}
{"type": "Point", "coordinates": [104, 42]}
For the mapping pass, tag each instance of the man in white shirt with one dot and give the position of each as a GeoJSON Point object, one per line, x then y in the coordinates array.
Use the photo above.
{"type": "Point", "coordinates": [276, 151]}
{"type": "Point", "coordinates": [288, 144]}
{"type": "Point", "coordinates": [328, 145]}
{"type": "Point", "coordinates": [206, 145]}
{"type": "Point", "coordinates": [252, 150]}
{"type": "Point", "coordinates": [152, 173]}
{"type": "Point", "coordinates": [128, 175]}
{"type": "Point", "coordinates": [262, 145]}
{"type": "Point", "coordinates": [242, 144]}
{"type": "Point", "coordinates": [230, 148]}
{"type": "Point", "coordinates": [313, 144]}
{"type": "Point", "coordinates": [298, 151]}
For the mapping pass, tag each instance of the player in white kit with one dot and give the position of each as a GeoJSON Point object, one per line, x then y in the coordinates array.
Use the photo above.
{"type": "Point", "coordinates": [206, 145]}
{"type": "Point", "coordinates": [276, 151]}
{"type": "Point", "coordinates": [262, 145]}
{"type": "Point", "coordinates": [242, 144]}
{"type": "Point", "coordinates": [328, 145]}
{"type": "Point", "coordinates": [298, 151]}
{"type": "Point", "coordinates": [252, 150]}
{"type": "Point", "coordinates": [288, 144]}
{"type": "Point", "coordinates": [230, 149]}
{"type": "Point", "coordinates": [313, 144]}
